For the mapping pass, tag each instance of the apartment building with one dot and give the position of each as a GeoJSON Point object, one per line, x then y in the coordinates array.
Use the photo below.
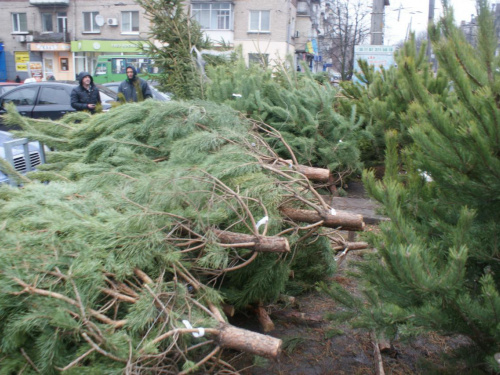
{"type": "Point", "coordinates": [265, 30]}
{"type": "Point", "coordinates": [43, 38]}
{"type": "Point", "coordinates": [60, 38]}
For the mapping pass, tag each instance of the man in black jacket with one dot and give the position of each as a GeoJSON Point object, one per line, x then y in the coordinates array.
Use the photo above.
{"type": "Point", "coordinates": [134, 89]}
{"type": "Point", "coordinates": [85, 96]}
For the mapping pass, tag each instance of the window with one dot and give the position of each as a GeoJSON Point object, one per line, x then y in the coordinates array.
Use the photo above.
{"type": "Point", "coordinates": [101, 69]}
{"type": "Point", "coordinates": [25, 96]}
{"type": "Point", "coordinates": [259, 21]}
{"type": "Point", "coordinates": [89, 24]}
{"type": "Point", "coordinates": [64, 64]}
{"type": "Point", "coordinates": [62, 22]}
{"type": "Point", "coordinates": [258, 58]}
{"type": "Point", "coordinates": [48, 66]}
{"type": "Point", "coordinates": [212, 16]}
{"type": "Point", "coordinates": [47, 25]}
{"type": "Point", "coordinates": [130, 22]}
{"type": "Point", "coordinates": [118, 66]}
{"type": "Point", "coordinates": [141, 65]}
{"type": "Point", "coordinates": [54, 95]}
{"type": "Point", "coordinates": [19, 23]}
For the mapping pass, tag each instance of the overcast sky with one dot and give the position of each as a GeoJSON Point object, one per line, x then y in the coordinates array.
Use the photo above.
{"type": "Point", "coordinates": [402, 14]}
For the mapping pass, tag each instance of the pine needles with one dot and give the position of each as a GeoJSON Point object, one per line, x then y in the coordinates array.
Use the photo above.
{"type": "Point", "coordinates": [141, 224]}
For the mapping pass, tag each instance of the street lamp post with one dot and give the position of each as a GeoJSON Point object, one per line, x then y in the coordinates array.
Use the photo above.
{"type": "Point", "coordinates": [430, 21]}
{"type": "Point", "coordinates": [377, 36]}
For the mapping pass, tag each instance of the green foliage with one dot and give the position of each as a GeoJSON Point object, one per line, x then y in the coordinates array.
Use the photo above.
{"type": "Point", "coordinates": [301, 106]}
{"type": "Point", "coordinates": [382, 99]}
{"type": "Point", "coordinates": [291, 343]}
{"type": "Point", "coordinates": [176, 35]}
{"type": "Point", "coordinates": [438, 263]}
{"type": "Point", "coordinates": [141, 187]}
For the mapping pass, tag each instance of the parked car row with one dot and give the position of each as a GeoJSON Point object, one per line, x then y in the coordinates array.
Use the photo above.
{"type": "Point", "coordinates": [47, 99]}
{"type": "Point", "coordinates": [50, 100]}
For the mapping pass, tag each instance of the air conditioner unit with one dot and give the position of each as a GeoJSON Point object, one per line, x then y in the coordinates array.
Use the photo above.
{"type": "Point", "coordinates": [21, 38]}
{"type": "Point", "coordinates": [29, 38]}
{"type": "Point", "coordinates": [112, 22]}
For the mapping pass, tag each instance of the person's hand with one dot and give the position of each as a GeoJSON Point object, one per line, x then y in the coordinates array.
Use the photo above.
{"type": "Point", "coordinates": [91, 106]}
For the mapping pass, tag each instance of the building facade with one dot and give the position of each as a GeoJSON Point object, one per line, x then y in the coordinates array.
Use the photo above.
{"type": "Point", "coordinates": [60, 38]}
{"type": "Point", "coordinates": [267, 31]}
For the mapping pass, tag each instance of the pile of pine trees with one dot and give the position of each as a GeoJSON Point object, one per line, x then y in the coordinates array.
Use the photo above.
{"type": "Point", "coordinates": [300, 106]}
{"type": "Point", "coordinates": [121, 252]}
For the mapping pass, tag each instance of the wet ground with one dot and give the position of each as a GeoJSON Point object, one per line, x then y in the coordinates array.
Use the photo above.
{"type": "Point", "coordinates": [313, 345]}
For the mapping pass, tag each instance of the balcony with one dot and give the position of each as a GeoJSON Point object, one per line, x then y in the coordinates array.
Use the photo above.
{"type": "Point", "coordinates": [51, 37]}
{"type": "Point", "coordinates": [304, 8]}
{"type": "Point", "coordinates": [42, 3]}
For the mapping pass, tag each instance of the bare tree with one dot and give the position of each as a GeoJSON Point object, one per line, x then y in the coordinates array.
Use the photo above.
{"type": "Point", "coordinates": [345, 25]}
{"type": "Point", "coordinates": [420, 39]}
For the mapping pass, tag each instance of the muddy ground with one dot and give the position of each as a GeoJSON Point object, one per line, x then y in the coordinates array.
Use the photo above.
{"type": "Point", "coordinates": [313, 345]}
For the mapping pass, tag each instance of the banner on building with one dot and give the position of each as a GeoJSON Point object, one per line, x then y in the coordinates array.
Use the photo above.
{"type": "Point", "coordinates": [309, 48]}
{"type": "Point", "coordinates": [22, 59]}
{"type": "Point", "coordinates": [35, 69]}
{"type": "Point", "coordinates": [50, 47]}
{"type": "Point", "coordinates": [114, 46]}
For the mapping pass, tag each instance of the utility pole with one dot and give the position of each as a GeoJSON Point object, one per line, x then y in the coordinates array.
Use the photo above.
{"type": "Point", "coordinates": [430, 21]}
{"type": "Point", "coordinates": [377, 29]}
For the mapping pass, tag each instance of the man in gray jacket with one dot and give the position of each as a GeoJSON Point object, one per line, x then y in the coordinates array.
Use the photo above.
{"type": "Point", "coordinates": [134, 89]}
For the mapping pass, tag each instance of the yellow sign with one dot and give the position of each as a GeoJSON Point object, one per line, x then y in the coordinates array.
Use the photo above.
{"type": "Point", "coordinates": [309, 48]}
{"type": "Point", "coordinates": [22, 59]}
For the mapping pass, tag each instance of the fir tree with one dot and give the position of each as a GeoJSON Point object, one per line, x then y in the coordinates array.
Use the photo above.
{"type": "Point", "coordinates": [437, 267]}
{"type": "Point", "coordinates": [382, 98]}
{"type": "Point", "coordinates": [176, 35]}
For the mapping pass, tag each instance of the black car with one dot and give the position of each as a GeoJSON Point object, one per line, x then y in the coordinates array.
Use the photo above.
{"type": "Point", "coordinates": [7, 86]}
{"type": "Point", "coordinates": [157, 95]}
{"type": "Point", "coordinates": [47, 99]}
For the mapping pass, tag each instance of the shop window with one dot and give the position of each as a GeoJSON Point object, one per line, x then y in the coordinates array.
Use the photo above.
{"type": "Point", "coordinates": [64, 64]}
{"type": "Point", "coordinates": [48, 65]}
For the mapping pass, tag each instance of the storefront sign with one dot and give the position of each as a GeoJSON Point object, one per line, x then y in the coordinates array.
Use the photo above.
{"type": "Point", "coordinates": [35, 69]}
{"type": "Point", "coordinates": [106, 46]}
{"type": "Point", "coordinates": [50, 46]}
{"type": "Point", "coordinates": [22, 59]}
